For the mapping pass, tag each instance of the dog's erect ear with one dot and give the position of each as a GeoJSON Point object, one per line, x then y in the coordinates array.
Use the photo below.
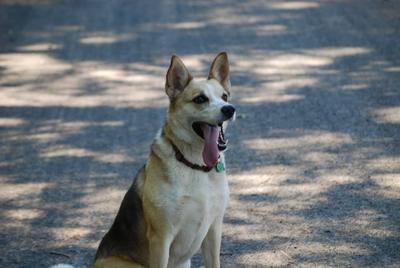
{"type": "Point", "coordinates": [220, 71]}
{"type": "Point", "coordinates": [178, 77]}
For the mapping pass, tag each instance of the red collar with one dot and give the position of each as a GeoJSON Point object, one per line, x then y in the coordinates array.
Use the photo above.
{"type": "Point", "coordinates": [181, 158]}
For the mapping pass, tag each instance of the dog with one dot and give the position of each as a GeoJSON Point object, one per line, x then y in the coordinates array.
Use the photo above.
{"type": "Point", "coordinates": [177, 201]}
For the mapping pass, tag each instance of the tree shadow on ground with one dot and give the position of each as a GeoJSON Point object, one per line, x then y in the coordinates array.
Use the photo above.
{"type": "Point", "coordinates": [317, 104]}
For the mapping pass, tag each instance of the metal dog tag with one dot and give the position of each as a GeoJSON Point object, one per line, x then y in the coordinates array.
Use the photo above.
{"type": "Point", "coordinates": [220, 166]}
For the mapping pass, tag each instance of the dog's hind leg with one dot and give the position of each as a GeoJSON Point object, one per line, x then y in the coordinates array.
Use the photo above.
{"type": "Point", "coordinates": [115, 262]}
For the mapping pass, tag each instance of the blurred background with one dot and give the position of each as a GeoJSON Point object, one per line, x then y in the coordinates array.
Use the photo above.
{"type": "Point", "coordinates": [314, 158]}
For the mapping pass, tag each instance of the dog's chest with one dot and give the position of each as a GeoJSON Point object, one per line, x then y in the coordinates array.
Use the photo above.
{"type": "Point", "coordinates": [201, 199]}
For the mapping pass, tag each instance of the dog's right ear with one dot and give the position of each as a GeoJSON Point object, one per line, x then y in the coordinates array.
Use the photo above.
{"type": "Point", "coordinates": [178, 77]}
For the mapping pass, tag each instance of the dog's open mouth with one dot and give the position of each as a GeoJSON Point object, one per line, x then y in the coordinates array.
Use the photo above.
{"type": "Point", "coordinates": [214, 141]}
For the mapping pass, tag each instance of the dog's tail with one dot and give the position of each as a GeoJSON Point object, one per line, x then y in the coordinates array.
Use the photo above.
{"type": "Point", "coordinates": [62, 265]}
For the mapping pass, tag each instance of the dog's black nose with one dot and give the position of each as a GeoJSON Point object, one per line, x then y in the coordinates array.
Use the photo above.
{"type": "Point", "coordinates": [228, 110]}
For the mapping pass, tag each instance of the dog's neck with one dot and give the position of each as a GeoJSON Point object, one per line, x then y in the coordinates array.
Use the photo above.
{"type": "Point", "coordinates": [185, 140]}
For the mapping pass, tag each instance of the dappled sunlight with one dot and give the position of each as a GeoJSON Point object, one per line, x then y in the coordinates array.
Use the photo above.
{"type": "Point", "coordinates": [53, 130]}
{"type": "Point", "coordinates": [288, 182]}
{"type": "Point", "coordinates": [40, 47]}
{"type": "Point", "coordinates": [69, 233]}
{"type": "Point", "coordinates": [386, 174]}
{"type": "Point", "coordinates": [270, 29]}
{"type": "Point", "coordinates": [334, 52]}
{"type": "Point", "coordinates": [317, 139]}
{"type": "Point", "coordinates": [385, 163]}
{"type": "Point", "coordinates": [40, 80]}
{"type": "Point", "coordinates": [99, 38]}
{"type": "Point", "coordinates": [279, 76]}
{"type": "Point", "coordinates": [389, 184]}
{"type": "Point", "coordinates": [229, 16]}
{"type": "Point", "coordinates": [12, 122]}
{"type": "Point", "coordinates": [272, 97]}
{"type": "Point", "coordinates": [62, 151]}
{"type": "Point", "coordinates": [355, 87]}
{"type": "Point", "coordinates": [77, 125]}
{"type": "Point", "coordinates": [279, 256]}
{"type": "Point", "coordinates": [389, 115]}
{"type": "Point", "coordinates": [25, 199]}
{"type": "Point", "coordinates": [115, 75]}
{"type": "Point", "coordinates": [24, 214]}
{"type": "Point", "coordinates": [362, 221]}
{"type": "Point", "coordinates": [392, 69]}
{"type": "Point", "coordinates": [286, 64]}
{"type": "Point", "coordinates": [265, 174]}
{"type": "Point", "coordinates": [27, 67]}
{"type": "Point", "coordinates": [42, 137]}
{"type": "Point", "coordinates": [313, 160]}
{"type": "Point", "coordinates": [277, 203]}
{"type": "Point", "coordinates": [389, 181]}
{"type": "Point", "coordinates": [276, 258]}
{"type": "Point", "coordinates": [310, 176]}
{"type": "Point", "coordinates": [187, 25]}
{"type": "Point", "coordinates": [297, 61]}
{"type": "Point", "coordinates": [293, 5]}
{"type": "Point", "coordinates": [9, 191]}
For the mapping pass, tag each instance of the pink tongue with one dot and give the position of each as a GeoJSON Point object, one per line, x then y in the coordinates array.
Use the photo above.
{"type": "Point", "coordinates": [210, 150]}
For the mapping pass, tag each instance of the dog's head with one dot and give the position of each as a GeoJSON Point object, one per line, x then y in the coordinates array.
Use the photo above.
{"type": "Point", "coordinates": [200, 109]}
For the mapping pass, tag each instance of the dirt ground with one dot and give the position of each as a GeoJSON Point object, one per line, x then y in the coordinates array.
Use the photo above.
{"type": "Point", "coordinates": [314, 157]}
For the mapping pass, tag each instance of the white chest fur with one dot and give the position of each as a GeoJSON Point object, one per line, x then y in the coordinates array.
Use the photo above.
{"type": "Point", "coordinates": [202, 199]}
{"type": "Point", "coordinates": [184, 203]}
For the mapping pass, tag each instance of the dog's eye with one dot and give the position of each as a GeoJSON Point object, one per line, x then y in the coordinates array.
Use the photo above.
{"type": "Point", "coordinates": [200, 99]}
{"type": "Point", "coordinates": [225, 97]}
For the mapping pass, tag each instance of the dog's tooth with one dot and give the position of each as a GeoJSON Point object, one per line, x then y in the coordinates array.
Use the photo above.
{"type": "Point", "coordinates": [221, 147]}
{"type": "Point", "coordinates": [225, 142]}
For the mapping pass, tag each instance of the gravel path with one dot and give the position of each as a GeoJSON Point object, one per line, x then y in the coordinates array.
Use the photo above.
{"type": "Point", "coordinates": [315, 152]}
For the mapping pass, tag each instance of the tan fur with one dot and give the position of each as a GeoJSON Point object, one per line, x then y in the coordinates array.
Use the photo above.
{"type": "Point", "coordinates": [115, 262]}
{"type": "Point", "coordinates": [183, 208]}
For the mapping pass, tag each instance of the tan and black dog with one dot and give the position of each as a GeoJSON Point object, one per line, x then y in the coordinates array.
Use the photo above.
{"type": "Point", "coordinates": [177, 201]}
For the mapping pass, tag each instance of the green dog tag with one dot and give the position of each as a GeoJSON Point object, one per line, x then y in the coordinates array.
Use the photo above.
{"type": "Point", "coordinates": [220, 166]}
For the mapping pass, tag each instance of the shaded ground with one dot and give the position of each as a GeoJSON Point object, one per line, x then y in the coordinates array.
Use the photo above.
{"type": "Point", "coordinates": [314, 158]}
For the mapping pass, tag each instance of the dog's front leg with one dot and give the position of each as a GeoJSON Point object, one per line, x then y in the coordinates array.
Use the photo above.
{"type": "Point", "coordinates": [210, 248]}
{"type": "Point", "coordinates": [159, 251]}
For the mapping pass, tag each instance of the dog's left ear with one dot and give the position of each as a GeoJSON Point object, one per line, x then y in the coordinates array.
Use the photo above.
{"type": "Point", "coordinates": [219, 71]}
